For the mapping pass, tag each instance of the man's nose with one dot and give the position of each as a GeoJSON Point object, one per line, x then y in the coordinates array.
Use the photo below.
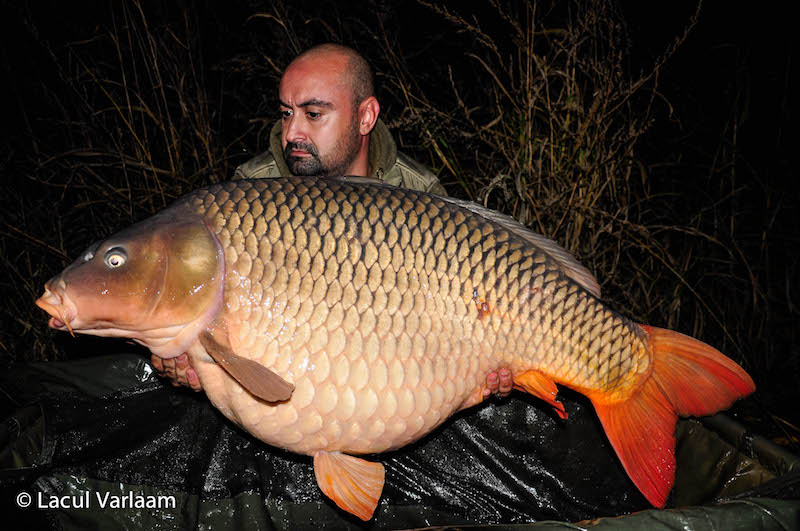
{"type": "Point", "coordinates": [294, 131]}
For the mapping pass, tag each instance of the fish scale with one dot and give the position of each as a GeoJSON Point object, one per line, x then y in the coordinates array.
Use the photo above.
{"type": "Point", "coordinates": [346, 316]}
{"type": "Point", "coordinates": [340, 276]}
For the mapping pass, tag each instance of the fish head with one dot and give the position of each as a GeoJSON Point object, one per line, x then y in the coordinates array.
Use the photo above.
{"type": "Point", "coordinates": [158, 282]}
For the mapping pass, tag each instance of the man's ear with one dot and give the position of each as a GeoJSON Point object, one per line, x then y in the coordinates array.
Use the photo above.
{"type": "Point", "coordinates": [368, 112]}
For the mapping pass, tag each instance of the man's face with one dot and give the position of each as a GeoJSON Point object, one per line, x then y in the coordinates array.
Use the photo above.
{"type": "Point", "coordinates": [320, 124]}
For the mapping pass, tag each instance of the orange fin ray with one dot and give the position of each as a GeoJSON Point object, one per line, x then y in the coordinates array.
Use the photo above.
{"type": "Point", "coordinates": [257, 379]}
{"type": "Point", "coordinates": [354, 484]}
{"type": "Point", "coordinates": [688, 378]}
{"type": "Point", "coordinates": [540, 386]}
{"type": "Point", "coordinates": [697, 379]}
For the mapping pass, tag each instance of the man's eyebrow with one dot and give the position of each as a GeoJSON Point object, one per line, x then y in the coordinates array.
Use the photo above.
{"type": "Point", "coordinates": [309, 103]}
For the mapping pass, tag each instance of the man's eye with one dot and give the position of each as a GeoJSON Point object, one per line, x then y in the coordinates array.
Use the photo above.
{"type": "Point", "coordinates": [313, 115]}
{"type": "Point", "coordinates": [285, 113]}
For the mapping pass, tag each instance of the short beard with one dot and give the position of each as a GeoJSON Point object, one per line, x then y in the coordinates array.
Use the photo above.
{"type": "Point", "coordinates": [342, 155]}
{"type": "Point", "coordinates": [303, 166]}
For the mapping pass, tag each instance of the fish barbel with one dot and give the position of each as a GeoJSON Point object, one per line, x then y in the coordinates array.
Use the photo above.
{"type": "Point", "coordinates": [345, 316]}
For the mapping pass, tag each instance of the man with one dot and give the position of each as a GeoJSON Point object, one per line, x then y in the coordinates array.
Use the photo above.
{"type": "Point", "coordinates": [329, 126]}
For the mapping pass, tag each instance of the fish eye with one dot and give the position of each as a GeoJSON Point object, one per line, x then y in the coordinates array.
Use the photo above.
{"type": "Point", "coordinates": [115, 257]}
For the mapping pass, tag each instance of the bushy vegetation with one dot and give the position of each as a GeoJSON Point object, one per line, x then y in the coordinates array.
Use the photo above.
{"type": "Point", "coordinates": [535, 109]}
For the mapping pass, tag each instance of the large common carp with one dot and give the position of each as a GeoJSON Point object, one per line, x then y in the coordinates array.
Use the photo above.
{"type": "Point", "coordinates": [344, 316]}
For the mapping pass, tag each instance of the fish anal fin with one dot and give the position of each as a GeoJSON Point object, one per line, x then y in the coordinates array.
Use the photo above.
{"type": "Point", "coordinates": [257, 379]}
{"type": "Point", "coordinates": [354, 484]}
{"type": "Point", "coordinates": [688, 378]}
{"type": "Point", "coordinates": [540, 386]}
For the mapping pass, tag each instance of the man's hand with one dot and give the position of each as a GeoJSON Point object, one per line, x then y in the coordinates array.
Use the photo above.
{"type": "Point", "coordinates": [499, 383]}
{"type": "Point", "coordinates": [179, 370]}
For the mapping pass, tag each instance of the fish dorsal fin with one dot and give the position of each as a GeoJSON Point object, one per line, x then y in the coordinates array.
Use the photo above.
{"type": "Point", "coordinates": [253, 376]}
{"type": "Point", "coordinates": [568, 264]}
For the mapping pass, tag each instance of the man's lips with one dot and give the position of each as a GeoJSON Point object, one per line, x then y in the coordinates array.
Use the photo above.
{"type": "Point", "coordinates": [299, 153]}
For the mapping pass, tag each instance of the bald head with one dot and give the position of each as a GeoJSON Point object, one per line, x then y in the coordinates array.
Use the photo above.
{"type": "Point", "coordinates": [355, 72]}
{"type": "Point", "coordinates": [327, 112]}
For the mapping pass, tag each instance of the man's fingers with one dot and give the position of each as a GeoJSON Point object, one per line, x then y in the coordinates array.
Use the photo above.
{"type": "Point", "coordinates": [506, 382]}
{"type": "Point", "coordinates": [499, 382]}
{"type": "Point", "coordinates": [169, 368]}
{"type": "Point", "coordinates": [157, 364]}
{"type": "Point", "coordinates": [178, 371]}
{"type": "Point", "coordinates": [194, 381]}
{"type": "Point", "coordinates": [492, 382]}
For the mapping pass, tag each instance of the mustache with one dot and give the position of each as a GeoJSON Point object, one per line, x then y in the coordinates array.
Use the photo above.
{"type": "Point", "coordinates": [300, 146]}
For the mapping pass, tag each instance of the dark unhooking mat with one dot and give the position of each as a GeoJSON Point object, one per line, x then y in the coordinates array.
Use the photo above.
{"type": "Point", "coordinates": [103, 444]}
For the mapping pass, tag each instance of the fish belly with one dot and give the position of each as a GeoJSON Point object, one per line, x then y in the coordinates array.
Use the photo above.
{"type": "Point", "coordinates": [372, 403]}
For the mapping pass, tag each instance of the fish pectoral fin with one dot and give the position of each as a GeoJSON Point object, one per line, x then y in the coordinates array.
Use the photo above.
{"type": "Point", "coordinates": [257, 379]}
{"type": "Point", "coordinates": [354, 484]}
{"type": "Point", "coordinates": [540, 386]}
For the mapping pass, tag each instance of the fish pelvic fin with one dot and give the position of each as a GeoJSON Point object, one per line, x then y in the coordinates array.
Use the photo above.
{"type": "Point", "coordinates": [689, 378]}
{"type": "Point", "coordinates": [257, 379]}
{"type": "Point", "coordinates": [354, 484]}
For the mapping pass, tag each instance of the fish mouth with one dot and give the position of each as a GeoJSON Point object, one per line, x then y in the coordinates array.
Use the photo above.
{"type": "Point", "coordinates": [61, 309]}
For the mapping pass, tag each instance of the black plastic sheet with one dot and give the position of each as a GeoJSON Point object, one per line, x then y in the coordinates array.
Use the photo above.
{"type": "Point", "coordinates": [107, 429]}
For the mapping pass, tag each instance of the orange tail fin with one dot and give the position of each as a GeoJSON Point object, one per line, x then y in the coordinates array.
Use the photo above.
{"type": "Point", "coordinates": [689, 378]}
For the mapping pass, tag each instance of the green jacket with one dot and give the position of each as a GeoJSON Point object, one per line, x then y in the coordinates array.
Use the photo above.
{"type": "Point", "coordinates": [387, 163]}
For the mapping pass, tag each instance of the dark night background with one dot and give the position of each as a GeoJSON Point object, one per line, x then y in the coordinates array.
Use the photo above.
{"type": "Point", "coordinates": [708, 242]}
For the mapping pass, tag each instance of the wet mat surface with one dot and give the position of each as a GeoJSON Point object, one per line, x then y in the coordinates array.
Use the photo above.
{"type": "Point", "coordinates": [509, 461]}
